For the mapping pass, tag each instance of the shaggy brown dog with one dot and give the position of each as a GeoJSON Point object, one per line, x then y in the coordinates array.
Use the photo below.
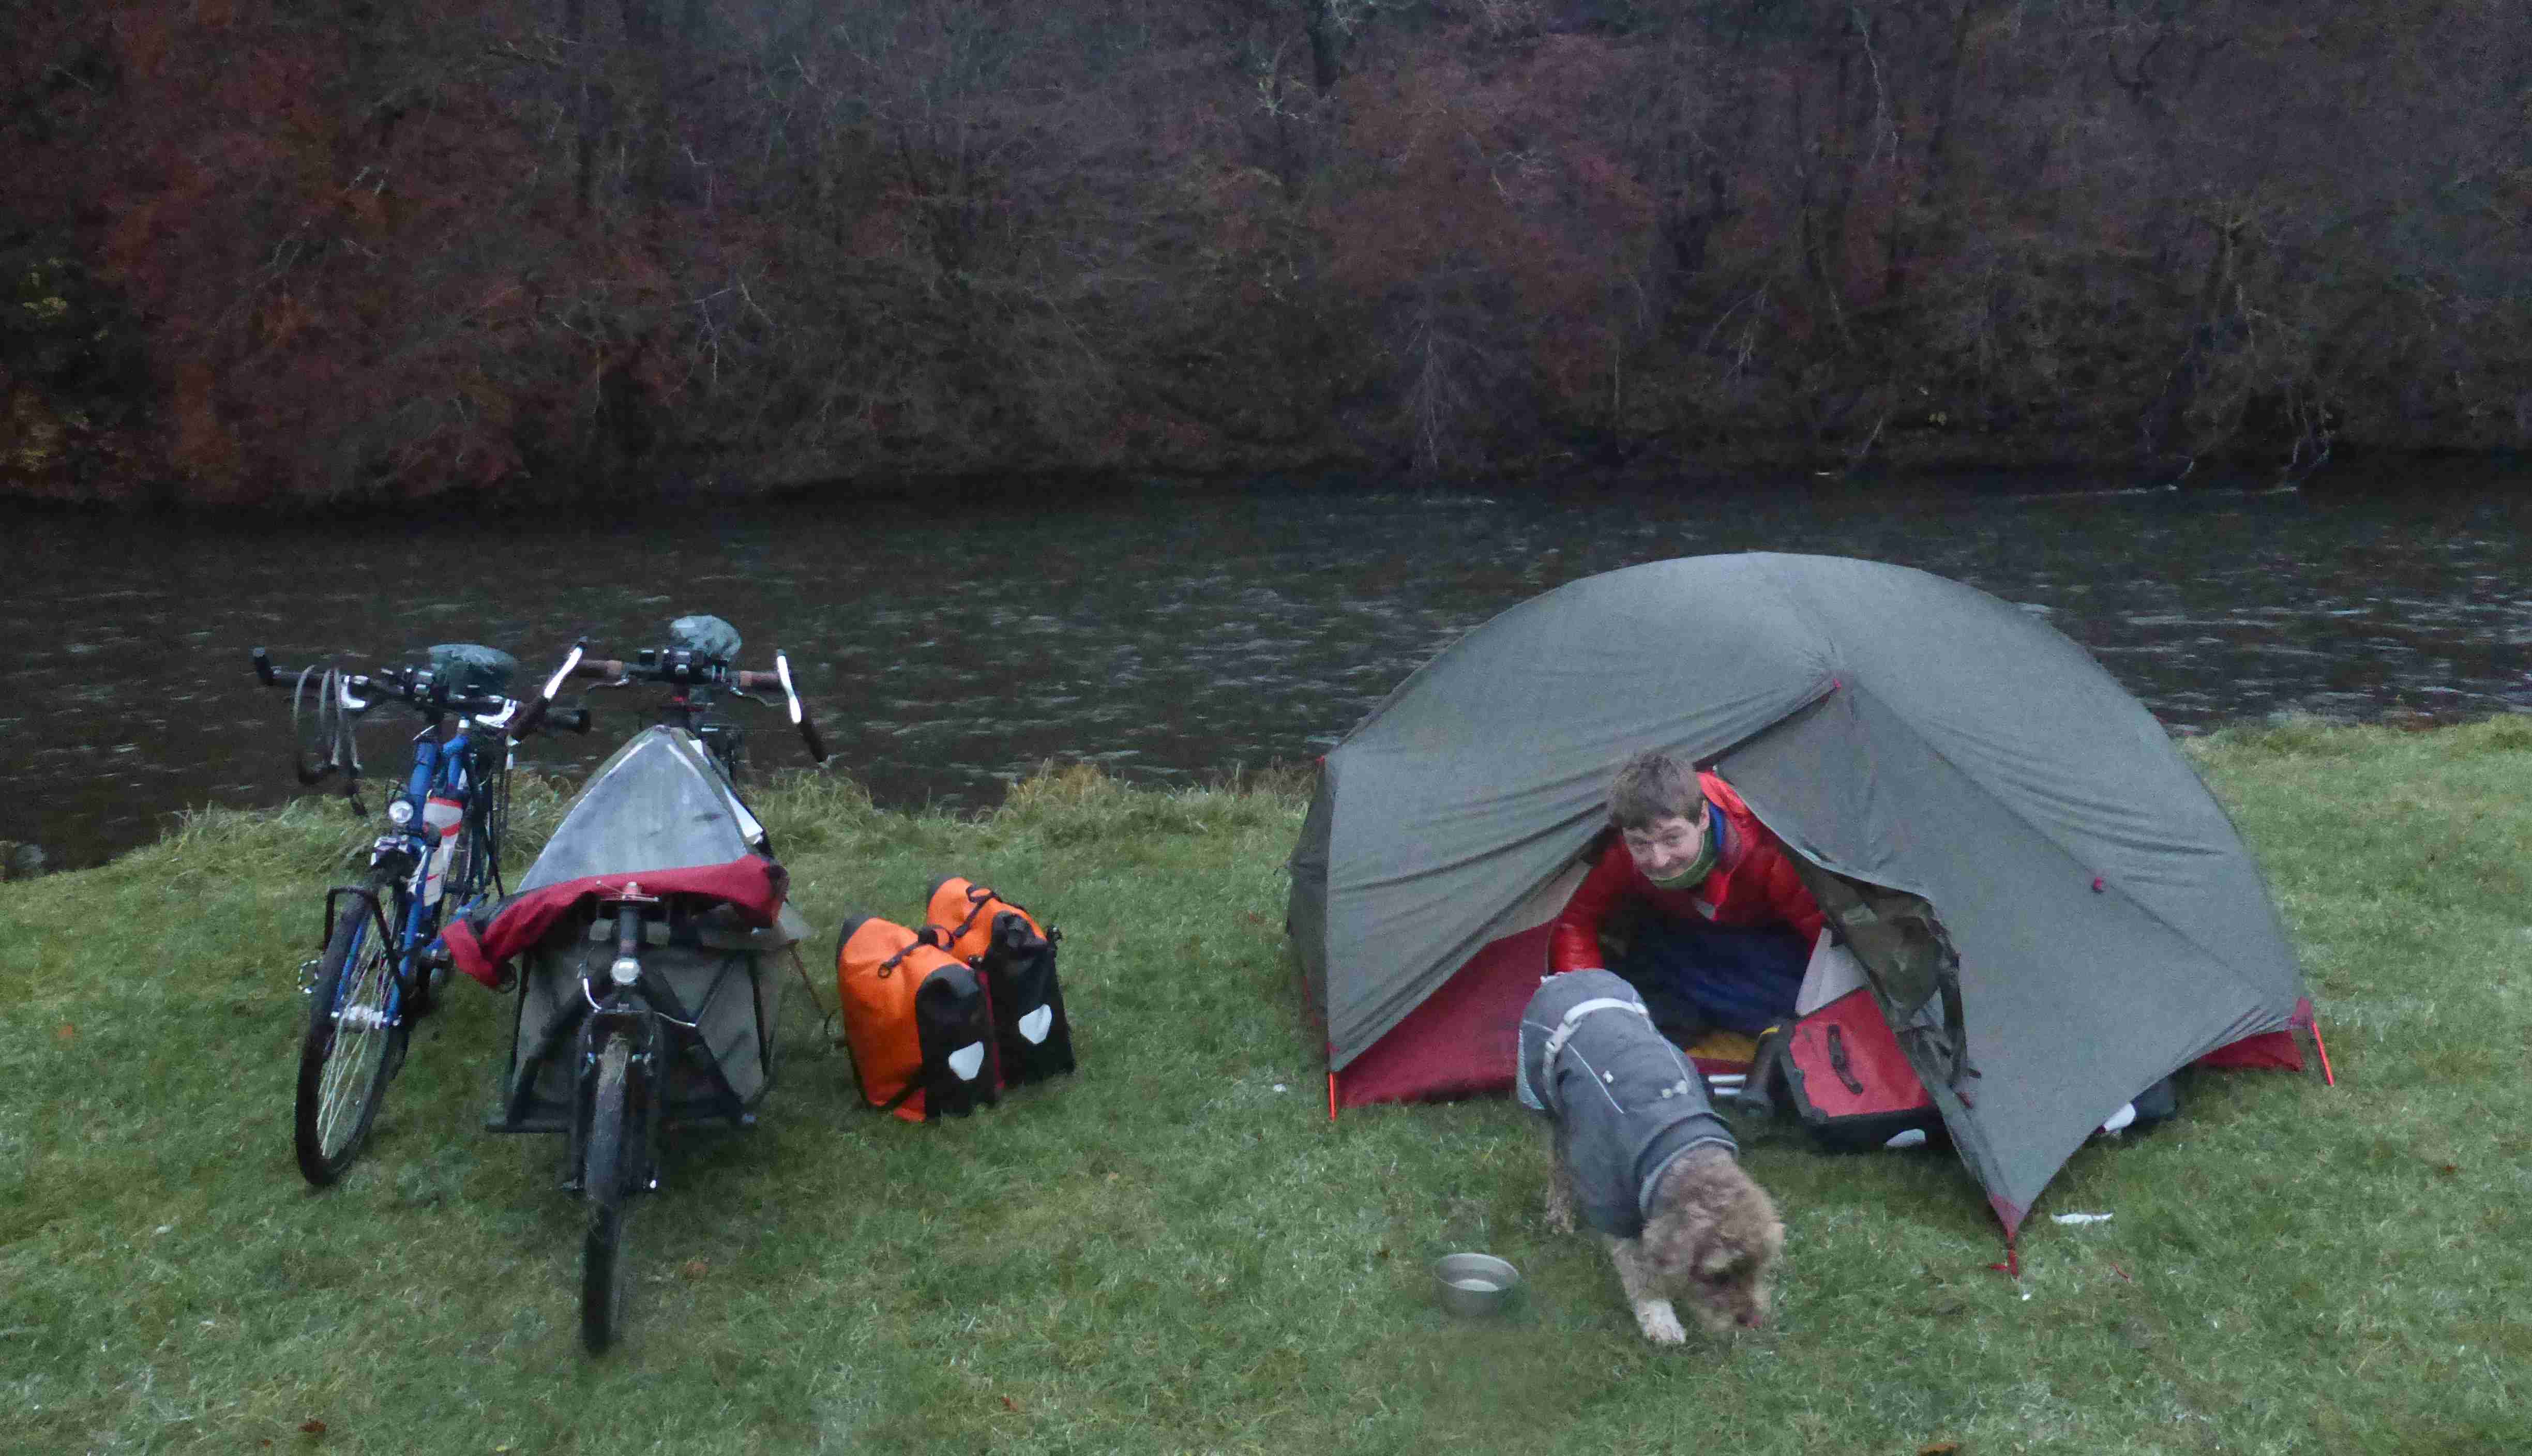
{"type": "Point", "coordinates": [1710, 1240]}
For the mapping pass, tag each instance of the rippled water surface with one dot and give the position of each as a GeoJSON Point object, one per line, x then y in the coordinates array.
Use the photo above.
{"type": "Point", "coordinates": [1172, 632]}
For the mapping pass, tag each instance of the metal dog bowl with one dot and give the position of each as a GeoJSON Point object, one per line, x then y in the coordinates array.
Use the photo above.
{"type": "Point", "coordinates": [1476, 1283]}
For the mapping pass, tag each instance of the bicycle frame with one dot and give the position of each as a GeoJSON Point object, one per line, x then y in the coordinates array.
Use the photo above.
{"type": "Point", "coordinates": [441, 778]}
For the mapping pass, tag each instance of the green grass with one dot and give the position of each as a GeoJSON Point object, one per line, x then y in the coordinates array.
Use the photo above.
{"type": "Point", "coordinates": [1176, 1251]}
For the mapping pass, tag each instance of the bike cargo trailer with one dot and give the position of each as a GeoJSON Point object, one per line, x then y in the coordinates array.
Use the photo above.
{"type": "Point", "coordinates": [656, 821]}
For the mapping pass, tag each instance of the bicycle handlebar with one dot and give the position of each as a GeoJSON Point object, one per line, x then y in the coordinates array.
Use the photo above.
{"type": "Point", "coordinates": [679, 669]}
{"type": "Point", "coordinates": [618, 673]}
{"type": "Point", "coordinates": [414, 685]}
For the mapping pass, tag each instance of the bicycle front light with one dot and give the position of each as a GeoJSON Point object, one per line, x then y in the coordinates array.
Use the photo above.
{"type": "Point", "coordinates": [400, 812]}
{"type": "Point", "coordinates": [626, 970]}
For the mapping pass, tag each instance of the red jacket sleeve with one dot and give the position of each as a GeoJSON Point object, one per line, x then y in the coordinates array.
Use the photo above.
{"type": "Point", "coordinates": [1787, 896]}
{"type": "Point", "coordinates": [1573, 940]}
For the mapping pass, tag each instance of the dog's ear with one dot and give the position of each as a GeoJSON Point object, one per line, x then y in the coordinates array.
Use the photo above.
{"type": "Point", "coordinates": [1718, 1264]}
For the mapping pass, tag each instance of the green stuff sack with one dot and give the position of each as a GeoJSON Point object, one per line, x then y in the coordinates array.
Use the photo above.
{"type": "Point", "coordinates": [1016, 957]}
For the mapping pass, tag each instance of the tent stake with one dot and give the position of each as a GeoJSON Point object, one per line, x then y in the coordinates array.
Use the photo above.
{"type": "Point", "coordinates": [1332, 1096]}
{"type": "Point", "coordinates": [2011, 1268]}
{"type": "Point", "coordinates": [2328, 1078]}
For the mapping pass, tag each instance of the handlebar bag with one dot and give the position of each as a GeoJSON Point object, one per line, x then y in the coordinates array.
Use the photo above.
{"type": "Point", "coordinates": [1016, 957]}
{"type": "Point", "coordinates": [471, 670]}
{"type": "Point", "coordinates": [918, 1021]}
{"type": "Point", "coordinates": [704, 635]}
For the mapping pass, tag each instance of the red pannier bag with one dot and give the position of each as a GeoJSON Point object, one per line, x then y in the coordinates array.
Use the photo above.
{"type": "Point", "coordinates": [918, 1020]}
{"type": "Point", "coordinates": [1016, 957]}
{"type": "Point", "coordinates": [1842, 1072]}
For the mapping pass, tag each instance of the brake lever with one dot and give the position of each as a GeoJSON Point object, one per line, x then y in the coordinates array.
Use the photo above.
{"type": "Point", "coordinates": [537, 709]}
{"type": "Point", "coordinates": [799, 717]}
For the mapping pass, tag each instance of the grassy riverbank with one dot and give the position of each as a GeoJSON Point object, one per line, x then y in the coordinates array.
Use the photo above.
{"type": "Point", "coordinates": [1175, 1251]}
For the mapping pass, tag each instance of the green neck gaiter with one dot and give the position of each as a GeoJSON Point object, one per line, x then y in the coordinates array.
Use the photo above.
{"type": "Point", "coordinates": [1698, 869]}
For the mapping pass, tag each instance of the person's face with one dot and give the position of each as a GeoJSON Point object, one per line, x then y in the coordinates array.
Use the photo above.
{"type": "Point", "coordinates": [1667, 845]}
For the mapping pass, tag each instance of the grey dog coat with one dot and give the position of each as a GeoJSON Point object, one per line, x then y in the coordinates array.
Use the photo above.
{"type": "Point", "coordinates": [1626, 1102]}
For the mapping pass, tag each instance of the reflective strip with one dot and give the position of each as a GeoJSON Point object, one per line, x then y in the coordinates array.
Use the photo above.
{"type": "Point", "coordinates": [967, 1060]}
{"type": "Point", "coordinates": [1037, 1024]}
{"type": "Point", "coordinates": [1565, 1029]}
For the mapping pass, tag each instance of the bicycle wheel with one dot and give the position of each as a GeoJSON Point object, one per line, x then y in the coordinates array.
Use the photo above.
{"type": "Point", "coordinates": [343, 1059]}
{"type": "Point", "coordinates": [604, 1176]}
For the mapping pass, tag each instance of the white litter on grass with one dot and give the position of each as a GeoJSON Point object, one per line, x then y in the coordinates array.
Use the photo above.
{"type": "Point", "coordinates": [2079, 1217]}
{"type": "Point", "coordinates": [1279, 1087]}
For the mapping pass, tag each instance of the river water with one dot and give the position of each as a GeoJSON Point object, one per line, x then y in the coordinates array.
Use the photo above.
{"type": "Point", "coordinates": [1169, 632]}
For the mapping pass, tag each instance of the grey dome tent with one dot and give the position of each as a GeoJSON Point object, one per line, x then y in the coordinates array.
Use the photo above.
{"type": "Point", "coordinates": [1993, 823]}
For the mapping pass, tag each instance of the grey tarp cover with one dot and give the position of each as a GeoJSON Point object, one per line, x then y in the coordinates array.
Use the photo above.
{"type": "Point", "coordinates": [657, 803]}
{"type": "Point", "coordinates": [1889, 725]}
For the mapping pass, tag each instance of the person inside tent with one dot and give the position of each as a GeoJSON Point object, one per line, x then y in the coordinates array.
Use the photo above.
{"type": "Point", "coordinates": [1716, 926]}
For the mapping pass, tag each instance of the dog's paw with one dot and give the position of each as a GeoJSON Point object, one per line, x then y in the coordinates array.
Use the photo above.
{"type": "Point", "coordinates": [1559, 1206]}
{"type": "Point", "coordinates": [1659, 1322]}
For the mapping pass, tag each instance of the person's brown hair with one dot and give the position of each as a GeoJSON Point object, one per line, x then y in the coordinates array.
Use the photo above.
{"type": "Point", "coordinates": [1652, 785]}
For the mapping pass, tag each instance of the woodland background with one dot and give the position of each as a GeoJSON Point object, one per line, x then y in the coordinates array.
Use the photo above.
{"type": "Point", "coordinates": [277, 252]}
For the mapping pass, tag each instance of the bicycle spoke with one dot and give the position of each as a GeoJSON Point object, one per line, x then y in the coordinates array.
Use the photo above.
{"type": "Point", "coordinates": [361, 1031]}
{"type": "Point", "coordinates": [343, 1060]}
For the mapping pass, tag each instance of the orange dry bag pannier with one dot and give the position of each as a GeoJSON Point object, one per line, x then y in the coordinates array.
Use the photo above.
{"type": "Point", "coordinates": [1017, 956]}
{"type": "Point", "coordinates": [917, 1021]}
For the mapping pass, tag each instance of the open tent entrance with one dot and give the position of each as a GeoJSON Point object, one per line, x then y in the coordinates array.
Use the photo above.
{"type": "Point", "coordinates": [1463, 1040]}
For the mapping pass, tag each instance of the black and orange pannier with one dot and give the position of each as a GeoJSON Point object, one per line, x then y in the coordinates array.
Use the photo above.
{"type": "Point", "coordinates": [918, 1020]}
{"type": "Point", "coordinates": [1016, 955]}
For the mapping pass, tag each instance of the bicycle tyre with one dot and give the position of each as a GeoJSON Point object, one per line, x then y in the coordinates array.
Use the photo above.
{"type": "Point", "coordinates": [343, 1059]}
{"type": "Point", "coordinates": [603, 1281]}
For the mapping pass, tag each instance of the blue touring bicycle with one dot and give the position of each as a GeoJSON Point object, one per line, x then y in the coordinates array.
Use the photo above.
{"type": "Point", "coordinates": [384, 961]}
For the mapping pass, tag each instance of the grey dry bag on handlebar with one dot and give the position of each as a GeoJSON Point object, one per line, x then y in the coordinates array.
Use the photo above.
{"type": "Point", "coordinates": [470, 670]}
{"type": "Point", "coordinates": [704, 635]}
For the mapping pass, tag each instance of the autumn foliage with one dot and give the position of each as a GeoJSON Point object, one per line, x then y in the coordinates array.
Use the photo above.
{"type": "Point", "coordinates": [261, 252]}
